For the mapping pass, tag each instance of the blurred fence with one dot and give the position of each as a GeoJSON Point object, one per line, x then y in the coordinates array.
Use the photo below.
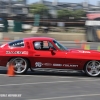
{"type": "Point", "coordinates": [81, 45]}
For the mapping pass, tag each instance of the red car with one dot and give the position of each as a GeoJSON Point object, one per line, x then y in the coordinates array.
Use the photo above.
{"type": "Point", "coordinates": [48, 54]}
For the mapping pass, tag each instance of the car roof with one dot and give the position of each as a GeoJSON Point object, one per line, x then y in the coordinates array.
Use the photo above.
{"type": "Point", "coordinates": [39, 38]}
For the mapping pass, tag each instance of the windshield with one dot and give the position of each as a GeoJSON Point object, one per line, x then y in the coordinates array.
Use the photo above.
{"type": "Point", "coordinates": [61, 47]}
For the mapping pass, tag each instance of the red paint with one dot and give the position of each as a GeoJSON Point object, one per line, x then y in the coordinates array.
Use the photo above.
{"type": "Point", "coordinates": [73, 58]}
{"type": "Point", "coordinates": [93, 15]}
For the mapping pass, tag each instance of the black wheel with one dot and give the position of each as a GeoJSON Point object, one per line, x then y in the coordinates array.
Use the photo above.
{"type": "Point", "coordinates": [20, 65]}
{"type": "Point", "coordinates": [92, 68]}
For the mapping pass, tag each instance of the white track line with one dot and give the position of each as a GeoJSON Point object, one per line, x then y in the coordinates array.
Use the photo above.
{"type": "Point", "coordinates": [53, 82]}
{"type": "Point", "coordinates": [42, 76]}
{"type": "Point", "coordinates": [62, 97]}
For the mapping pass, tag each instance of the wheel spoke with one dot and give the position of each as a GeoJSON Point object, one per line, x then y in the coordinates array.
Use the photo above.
{"type": "Point", "coordinates": [91, 71]}
{"type": "Point", "coordinates": [98, 67]}
{"type": "Point", "coordinates": [21, 61]}
{"type": "Point", "coordinates": [96, 71]}
{"type": "Point", "coordinates": [93, 63]}
{"type": "Point", "coordinates": [19, 69]}
{"type": "Point", "coordinates": [90, 66]}
{"type": "Point", "coordinates": [15, 66]}
{"type": "Point", "coordinates": [16, 61]}
{"type": "Point", "coordinates": [22, 66]}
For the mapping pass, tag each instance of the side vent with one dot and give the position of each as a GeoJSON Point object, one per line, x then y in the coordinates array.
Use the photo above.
{"type": "Point", "coordinates": [28, 45]}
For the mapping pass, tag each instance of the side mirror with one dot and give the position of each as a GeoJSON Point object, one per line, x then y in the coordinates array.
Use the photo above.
{"type": "Point", "coordinates": [52, 50]}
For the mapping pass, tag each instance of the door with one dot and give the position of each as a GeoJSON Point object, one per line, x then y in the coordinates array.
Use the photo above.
{"type": "Point", "coordinates": [46, 55]}
{"type": "Point", "coordinates": [74, 59]}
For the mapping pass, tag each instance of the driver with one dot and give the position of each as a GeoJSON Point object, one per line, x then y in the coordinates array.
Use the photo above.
{"type": "Point", "coordinates": [38, 45]}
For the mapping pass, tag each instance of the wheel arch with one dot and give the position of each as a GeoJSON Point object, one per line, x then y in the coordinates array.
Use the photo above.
{"type": "Point", "coordinates": [85, 64]}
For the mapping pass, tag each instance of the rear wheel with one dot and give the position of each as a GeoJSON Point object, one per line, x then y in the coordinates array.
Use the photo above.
{"type": "Point", "coordinates": [20, 65]}
{"type": "Point", "coordinates": [93, 68]}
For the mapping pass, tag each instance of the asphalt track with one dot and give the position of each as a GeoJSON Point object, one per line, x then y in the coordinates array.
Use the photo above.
{"type": "Point", "coordinates": [49, 86]}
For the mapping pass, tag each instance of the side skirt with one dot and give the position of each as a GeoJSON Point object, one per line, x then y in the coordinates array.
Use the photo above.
{"type": "Point", "coordinates": [56, 70]}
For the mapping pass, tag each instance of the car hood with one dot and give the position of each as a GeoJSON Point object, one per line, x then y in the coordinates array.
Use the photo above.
{"type": "Point", "coordinates": [83, 54]}
{"type": "Point", "coordinates": [83, 51]}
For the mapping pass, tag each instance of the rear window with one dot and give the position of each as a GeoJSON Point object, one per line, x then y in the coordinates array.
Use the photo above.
{"type": "Point", "coordinates": [18, 43]}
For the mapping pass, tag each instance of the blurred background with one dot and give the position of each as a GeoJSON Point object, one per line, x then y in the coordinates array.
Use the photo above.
{"type": "Point", "coordinates": [64, 20]}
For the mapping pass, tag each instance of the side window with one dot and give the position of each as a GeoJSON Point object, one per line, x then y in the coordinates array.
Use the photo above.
{"type": "Point", "coordinates": [42, 45]}
{"type": "Point", "coordinates": [18, 43]}
{"type": "Point", "coordinates": [51, 46]}
{"type": "Point", "coordinates": [37, 45]}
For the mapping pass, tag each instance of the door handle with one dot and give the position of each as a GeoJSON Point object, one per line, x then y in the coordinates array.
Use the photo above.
{"type": "Point", "coordinates": [37, 55]}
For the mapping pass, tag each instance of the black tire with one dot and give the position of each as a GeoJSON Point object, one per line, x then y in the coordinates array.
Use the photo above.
{"type": "Point", "coordinates": [12, 62]}
{"type": "Point", "coordinates": [94, 70]}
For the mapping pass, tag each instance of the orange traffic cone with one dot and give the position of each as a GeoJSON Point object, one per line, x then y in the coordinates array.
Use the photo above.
{"type": "Point", "coordinates": [83, 46]}
{"type": "Point", "coordinates": [10, 71]}
{"type": "Point", "coordinates": [5, 39]}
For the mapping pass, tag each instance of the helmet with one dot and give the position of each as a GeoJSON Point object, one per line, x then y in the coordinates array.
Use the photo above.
{"type": "Point", "coordinates": [37, 45]}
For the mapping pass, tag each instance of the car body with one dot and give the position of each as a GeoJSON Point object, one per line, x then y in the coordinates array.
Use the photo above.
{"type": "Point", "coordinates": [47, 53]}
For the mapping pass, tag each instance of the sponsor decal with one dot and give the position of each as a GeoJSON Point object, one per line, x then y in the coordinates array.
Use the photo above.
{"type": "Point", "coordinates": [16, 52]}
{"type": "Point", "coordinates": [38, 64]}
{"type": "Point", "coordinates": [47, 64]}
{"type": "Point", "coordinates": [84, 51]}
{"type": "Point", "coordinates": [57, 64]}
{"type": "Point", "coordinates": [70, 65]}
{"type": "Point", "coordinates": [25, 52]}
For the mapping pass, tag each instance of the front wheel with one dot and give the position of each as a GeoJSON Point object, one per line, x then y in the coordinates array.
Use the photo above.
{"type": "Point", "coordinates": [92, 68]}
{"type": "Point", "coordinates": [20, 65]}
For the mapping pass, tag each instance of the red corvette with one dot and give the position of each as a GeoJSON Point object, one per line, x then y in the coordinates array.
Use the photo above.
{"type": "Point", "coordinates": [47, 53]}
